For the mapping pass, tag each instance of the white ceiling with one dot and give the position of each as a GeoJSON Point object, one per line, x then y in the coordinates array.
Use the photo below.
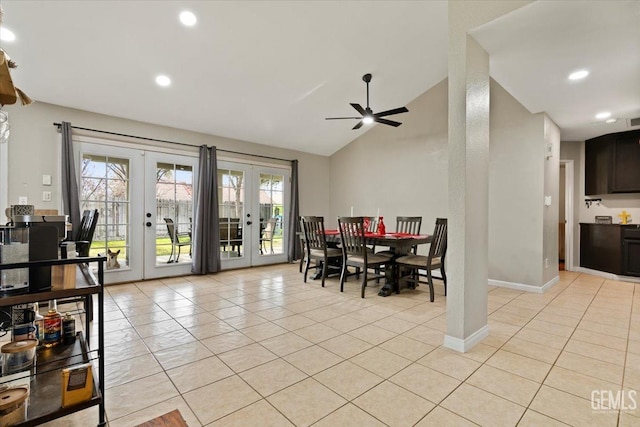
{"type": "Point", "coordinates": [271, 71]}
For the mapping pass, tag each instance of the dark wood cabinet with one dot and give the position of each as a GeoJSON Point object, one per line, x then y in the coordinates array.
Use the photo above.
{"type": "Point", "coordinates": [612, 248]}
{"type": "Point", "coordinates": [626, 161]}
{"type": "Point", "coordinates": [612, 164]}
{"type": "Point", "coordinates": [601, 247]}
{"type": "Point", "coordinates": [631, 250]}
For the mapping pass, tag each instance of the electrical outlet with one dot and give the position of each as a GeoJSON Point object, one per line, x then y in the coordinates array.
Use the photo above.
{"type": "Point", "coordinates": [46, 196]}
{"type": "Point", "coordinates": [22, 200]}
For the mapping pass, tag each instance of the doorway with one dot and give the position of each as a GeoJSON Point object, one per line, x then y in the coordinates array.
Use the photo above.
{"type": "Point", "coordinates": [145, 203]}
{"type": "Point", "coordinates": [565, 216]}
{"type": "Point", "coordinates": [253, 201]}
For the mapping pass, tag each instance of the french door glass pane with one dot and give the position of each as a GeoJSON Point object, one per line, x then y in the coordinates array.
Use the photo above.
{"type": "Point", "coordinates": [174, 210]}
{"type": "Point", "coordinates": [105, 186]}
{"type": "Point", "coordinates": [271, 210]}
{"type": "Point", "coordinates": [231, 185]}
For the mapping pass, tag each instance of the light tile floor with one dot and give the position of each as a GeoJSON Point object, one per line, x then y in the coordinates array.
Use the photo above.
{"type": "Point", "coordinates": [259, 347]}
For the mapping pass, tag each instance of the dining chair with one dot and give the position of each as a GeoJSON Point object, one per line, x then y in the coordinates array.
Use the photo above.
{"type": "Point", "coordinates": [235, 235]}
{"type": "Point", "coordinates": [410, 225]}
{"type": "Point", "coordinates": [355, 253]}
{"type": "Point", "coordinates": [303, 252]}
{"type": "Point", "coordinates": [266, 235]}
{"type": "Point", "coordinates": [405, 224]}
{"type": "Point", "coordinates": [175, 240]}
{"type": "Point", "coordinates": [316, 246]}
{"type": "Point", "coordinates": [83, 242]}
{"type": "Point", "coordinates": [435, 260]}
{"type": "Point", "coordinates": [373, 224]}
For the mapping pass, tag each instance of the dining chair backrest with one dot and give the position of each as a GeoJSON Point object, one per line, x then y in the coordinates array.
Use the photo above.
{"type": "Point", "coordinates": [408, 224]}
{"type": "Point", "coordinates": [234, 229]}
{"type": "Point", "coordinates": [171, 229]}
{"type": "Point", "coordinates": [373, 225]}
{"type": "Point", "coordinates": [85, 233]}
{"type": "Point", "coordinates": [314, 232]}
{"type": "Point", "coordinates": [352, 235]}
{"type": "Point", "coordinates": [438, 247]}
{"type": "Point", "coordinates": [269, 228]}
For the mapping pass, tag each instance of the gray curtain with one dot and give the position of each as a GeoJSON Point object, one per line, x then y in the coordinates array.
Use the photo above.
{"type": "Point", "coordinates": [70, 195]}
{"type": "Point", "coordinates": [206, 238]}
{"type": "Point", "coordinates": [295, 252]}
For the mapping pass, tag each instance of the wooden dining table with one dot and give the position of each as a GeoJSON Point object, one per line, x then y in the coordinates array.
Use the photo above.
{"type": "Point", "coordinates": [399, 244]}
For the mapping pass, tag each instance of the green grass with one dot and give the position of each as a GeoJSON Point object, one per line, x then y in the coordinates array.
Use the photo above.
{"type": "Point", "coordinates": [163, 247]}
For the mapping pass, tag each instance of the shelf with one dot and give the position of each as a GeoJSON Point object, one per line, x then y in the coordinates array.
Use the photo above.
{"type": "Point", "coordinates": [45, 387]}
{"type": "Point", "coordinates": [45, 378]}
{"type": "Point", "coordinates": [86, 281]}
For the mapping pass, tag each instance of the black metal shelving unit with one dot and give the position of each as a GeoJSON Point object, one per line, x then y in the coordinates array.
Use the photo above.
{"type": "Point", "coordinates": [45, 397]}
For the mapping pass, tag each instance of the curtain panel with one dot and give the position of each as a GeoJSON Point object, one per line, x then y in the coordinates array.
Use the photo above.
{"type": "Point", "coordinates": [206, 235]}
{"type": "Point", "coordinates": [70, 194]}
{"type": "Point", "coordinates": [295, 251]}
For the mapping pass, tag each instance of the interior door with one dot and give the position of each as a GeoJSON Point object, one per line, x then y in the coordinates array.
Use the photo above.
{"type": "Point", "coordinates": [252, 204]}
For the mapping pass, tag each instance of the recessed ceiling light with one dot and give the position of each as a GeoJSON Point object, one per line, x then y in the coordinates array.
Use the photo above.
{"type": "Point", "coordinates": [7, 35]}
{"type": "Point", "coordinates": [603, 115]}
{"type": "Point", "coordinates": [188, 18]}
{"type": "Point", "coordinates": [611, 121]}
{"type": "Point", "coordinates": [577, 75]}
{"type": "Point", "coordinates": [163, 80]}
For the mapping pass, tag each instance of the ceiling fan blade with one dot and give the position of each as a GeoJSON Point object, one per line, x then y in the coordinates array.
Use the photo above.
{"type": "Point", "coordinates": [391, 112]}
{"type": "Point", "coordinates": [387, 122]}
{"type": "Point", "coordinates": [359, 108]}
{"type": "Point", "coordinates": [340, 118]}
{"type": "Point", "coordinates": [358, 125]}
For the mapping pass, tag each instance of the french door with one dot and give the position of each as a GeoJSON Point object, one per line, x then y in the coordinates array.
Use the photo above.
{"type": "Point", "coordinates": [145, 205]}
{"type": "Point", "coordinates": [253, 202]}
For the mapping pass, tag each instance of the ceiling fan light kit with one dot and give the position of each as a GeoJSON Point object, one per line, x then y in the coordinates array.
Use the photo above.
{"type": "Point", "coordinates": [367, 116]}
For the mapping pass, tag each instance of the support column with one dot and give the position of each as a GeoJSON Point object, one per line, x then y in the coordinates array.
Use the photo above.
{"type": "Point", "coordinates": [467, 250]}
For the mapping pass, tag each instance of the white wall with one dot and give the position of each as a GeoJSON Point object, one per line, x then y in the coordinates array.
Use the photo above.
{"type": "Point", "coordinates": [522, 231]}
{"type": "Point", "coordinates": [33, 152]}
{"type": "Point", "coordinates": [403, 171]}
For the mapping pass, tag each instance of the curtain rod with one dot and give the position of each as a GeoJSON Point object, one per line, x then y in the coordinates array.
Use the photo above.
{"type": "Point", "coordinates": [171, 142]}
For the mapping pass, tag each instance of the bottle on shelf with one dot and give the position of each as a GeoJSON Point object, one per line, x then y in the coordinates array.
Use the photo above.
{"type": "Point", "coordinates": [68, 329]}
{"type": "Point", "coordinates": [381, 228]}
{"type": "Point", "coordinates": [52, 326]}
{"type": "Point", "coordinates": [39, 323]}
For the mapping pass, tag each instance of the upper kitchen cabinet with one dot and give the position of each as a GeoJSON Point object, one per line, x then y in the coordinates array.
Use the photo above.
{"type": "Point", "coordinates": [612, 163]}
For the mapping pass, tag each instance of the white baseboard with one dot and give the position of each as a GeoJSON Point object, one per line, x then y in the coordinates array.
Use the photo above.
{"type": "Point", "coordinates": [606, 275]}
{"type": "Point", "coordinates": [464, 345]}
{"type": "Point", "coordinates": [527, 288]}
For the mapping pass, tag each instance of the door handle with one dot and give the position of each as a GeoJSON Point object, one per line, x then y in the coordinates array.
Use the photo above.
{"type": "Point", "coordinates": [249, 222]}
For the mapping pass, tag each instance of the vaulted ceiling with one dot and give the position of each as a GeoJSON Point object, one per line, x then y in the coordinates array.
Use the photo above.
{"type": "Point", "coordinates": [271, 71]}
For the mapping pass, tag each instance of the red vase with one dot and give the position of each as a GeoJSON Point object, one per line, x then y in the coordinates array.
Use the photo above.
{"type": "Point", "coordinates": [381, 228]}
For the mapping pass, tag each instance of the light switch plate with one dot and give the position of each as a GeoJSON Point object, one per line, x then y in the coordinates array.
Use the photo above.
{"type": "Point", "coordinates": [46, 179]}
{"type": "Point", "coordinates": [547, 200]}
{"type": "Point", "coordinates": [22, 200]}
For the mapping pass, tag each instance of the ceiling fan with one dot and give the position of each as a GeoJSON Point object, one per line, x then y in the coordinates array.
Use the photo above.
{"type": "Point", "coordinates": [368, 116]}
